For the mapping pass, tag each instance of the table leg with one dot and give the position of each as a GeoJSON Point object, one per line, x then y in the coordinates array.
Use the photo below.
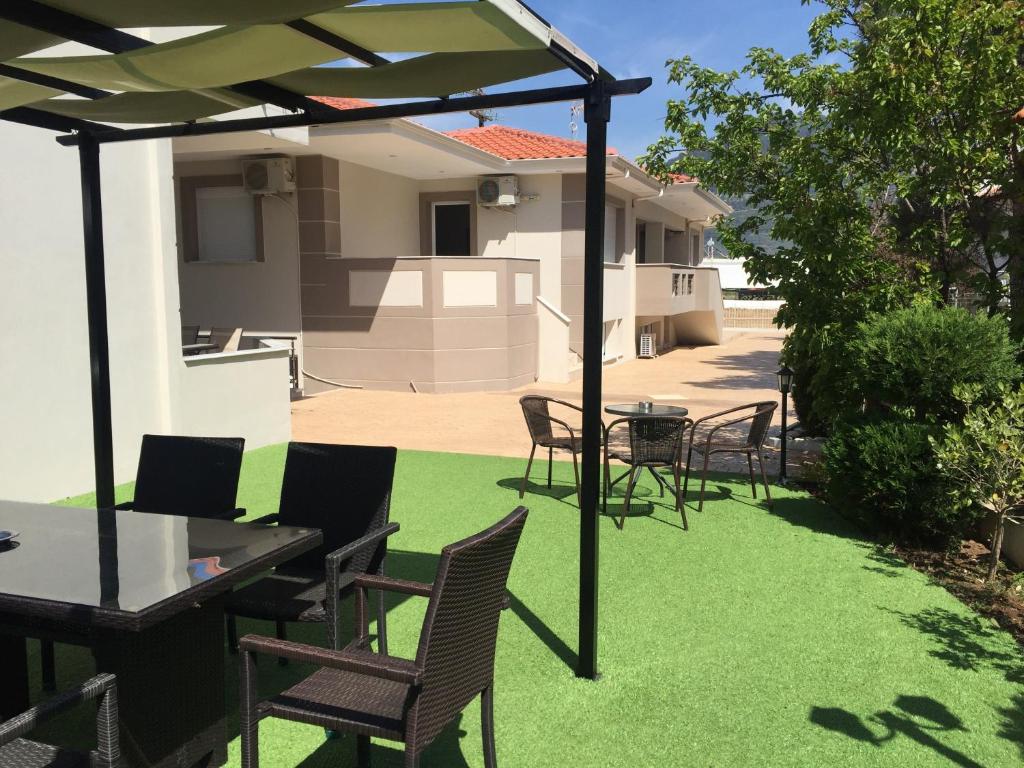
{"type": "Point", "coordinates": [14, 667]}
{"type": "Point", "coordinates": [170, 684]}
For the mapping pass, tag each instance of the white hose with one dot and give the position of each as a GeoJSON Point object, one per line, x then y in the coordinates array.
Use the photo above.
{"type": "Point", "coordinates": [332, 383]}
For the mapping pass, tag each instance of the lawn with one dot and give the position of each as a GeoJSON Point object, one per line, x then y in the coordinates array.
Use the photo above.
{"type": "Point", "coordinates": [757, 638]}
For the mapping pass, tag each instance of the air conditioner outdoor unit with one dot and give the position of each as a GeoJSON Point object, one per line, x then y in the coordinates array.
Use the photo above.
{"type": "Point", "coordinates": [497, 190]}
{"type": "Point", "coordinates": [268, 175]}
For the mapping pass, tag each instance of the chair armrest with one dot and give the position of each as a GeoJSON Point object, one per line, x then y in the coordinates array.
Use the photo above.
{"type": "Point", "coordinates": [387, 584]}
{"type": "Point", "coordinates": [265, 520]}
{"type": "Point", "coordinates": [19, 725]}
{"type": "Point", "coordinates": [126, 505]}
{"type": "Point", "coordinates": [340, 555]}
{"type": "Point", "coordinates": [372, 664]}
{"type": "Point", "coordinates": [231, 514]}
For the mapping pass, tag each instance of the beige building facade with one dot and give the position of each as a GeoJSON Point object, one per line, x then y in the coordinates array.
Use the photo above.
{"type": "Point", "coordinates": [388, 271]}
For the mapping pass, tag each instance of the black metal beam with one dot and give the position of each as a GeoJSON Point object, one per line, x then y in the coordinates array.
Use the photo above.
{"type": "Point", "coordinates": [357, 52]}
{"type": "Point", "coordinates": [96, 310]}
{"type": "Point", "coordinates": [384, 112]}
{"type": "Point", "coordinates": [71, 27]}
{"type": "Point", "coordinates": [37, 118]}
{"type": "Point", "coordinates": [16, 73]}
{"type": "Point", "coordinates": [597, 113]}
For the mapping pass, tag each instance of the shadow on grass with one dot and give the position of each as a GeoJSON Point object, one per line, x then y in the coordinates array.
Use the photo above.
{"type": "Point", "coordinates": [889, 565]}
{"type": "Point", "coordinates": [1012, 727]}
{"type": "Point", "coordinates": [965, 642]}
{"type": "Point", "coordinates": [563, 493]}
{"type": "Point", "coordinates": [445, 751]}
{"type": "Point", "coordinates": [920, 718]}
{"type": "Point", "coordinates": [810, 513]}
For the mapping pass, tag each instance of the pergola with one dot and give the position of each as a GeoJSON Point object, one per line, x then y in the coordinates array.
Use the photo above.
{"type": "Point", "coordinates": [271, 52]}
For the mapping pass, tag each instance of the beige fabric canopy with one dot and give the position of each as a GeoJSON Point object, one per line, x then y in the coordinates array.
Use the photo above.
{"type": "Point", "coordinates": [287, 48]}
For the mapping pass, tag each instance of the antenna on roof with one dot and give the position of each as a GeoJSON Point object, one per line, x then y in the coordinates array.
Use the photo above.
{"type": "Point", "coordinates": [575, 110]}
{"type": "Point", "coordinates": [483, 116]}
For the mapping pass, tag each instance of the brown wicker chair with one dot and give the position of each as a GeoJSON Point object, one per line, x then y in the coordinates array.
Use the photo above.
{"type": "Point", "coordinates": [345, 490]}
{"type": "Point", "coordinates": [18, 752]}
{"type": "Point", "coordinates": [707, 438]}
{"type": "Point", "coordinates": [654, 442]}
{"type": "Point", "coordinates": [536, 410]}
{"type": "Point", "coordinates": [357, 691]}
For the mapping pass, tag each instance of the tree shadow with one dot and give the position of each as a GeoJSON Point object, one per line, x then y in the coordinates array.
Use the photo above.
{"type": "Point", "coordinates": [814, 515]}
{"type": "Point", "coordinates": [446, 751]}
{"type": "Point", "coordinates": [889, 565]}
{"type": "Point", "coordinates": [920, 718]}
{"type": "Point", "coordinates": [1012, 727]}
{"type": "Point", "coordinates": [749, 370]}
{"type": "Point", "coordinates": [965, 642]}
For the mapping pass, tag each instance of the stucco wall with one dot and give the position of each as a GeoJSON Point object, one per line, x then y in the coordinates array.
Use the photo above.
{"type": "Point", "coordinates": [45, 405]}
{"type": "Point", "coordinates": [379, 214]}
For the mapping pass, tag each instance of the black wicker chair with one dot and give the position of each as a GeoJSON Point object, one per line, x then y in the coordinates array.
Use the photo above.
{"type": "Point", "coordinates": [654, 442]}
{"type": "Point", "coordinates": [711, 435]}
{"type": "Point", "coordinates": [344, 490]}
{"type": "Point", "coordinates": [367, 694]}
{"type": "Point", "coordinates": [191, 476]}
{"type": "Point", "coordinates": [18, 752]}
{"type": "Point", "coordinates": [540, 422]}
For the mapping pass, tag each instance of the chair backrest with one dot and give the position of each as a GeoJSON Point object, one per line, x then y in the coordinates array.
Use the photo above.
{"type": "Point", "coordinates": [344, 490]}
{"type": "Point", "coordinates": [538, 417]}
{"type": "Point", "coordinates": [192, 476]}
{"type": "Point", "coordinates": [657, 439]}
{"type": "Point", "coordinates": [760, 421]}
{"type": "Point", "coordinates": [460, 630]}
{"type": "Point", "coordinates": [226, 339]}
{"type": "Point", "coordinates": [189, 334]}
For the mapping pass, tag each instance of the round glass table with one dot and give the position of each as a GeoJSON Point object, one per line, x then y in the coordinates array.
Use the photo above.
{"type": "Point", "coordinates": [636, 410]}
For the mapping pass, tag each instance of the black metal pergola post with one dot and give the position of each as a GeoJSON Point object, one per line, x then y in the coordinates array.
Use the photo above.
{"type": "Point", "coordinates": [596, 113]}
{"type": "Point", "coordinates": [96, 307]}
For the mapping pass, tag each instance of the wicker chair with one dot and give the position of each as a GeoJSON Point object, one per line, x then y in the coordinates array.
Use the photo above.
{"type": "Point", "coordinates": [344, 490]}
{"type": "Point", "coordinates": [191, 476]}
{"type": "Point", "coordinates": [17, 752]}
{"type": "Point", "coordinates": [357, 691]}
{"type": "Point", "coordinates": [712, 440]}
{"type": "Point", "coordinates": [654, 442]}
{"type": "Point", "coordinates": [540, 421]}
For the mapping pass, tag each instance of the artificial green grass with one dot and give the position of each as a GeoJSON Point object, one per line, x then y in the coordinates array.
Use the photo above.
{"type": "Point", "coordinates": [757, 638]}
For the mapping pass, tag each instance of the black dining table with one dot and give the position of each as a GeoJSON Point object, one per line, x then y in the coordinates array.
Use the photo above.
{"type": "Point", "coordinates": [146, 592]}
{"type": "Point", "coordinates": [636, 410]}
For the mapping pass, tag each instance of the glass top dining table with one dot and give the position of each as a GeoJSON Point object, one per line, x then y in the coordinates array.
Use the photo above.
{"type": "Point", "coordinates": [636, 410]}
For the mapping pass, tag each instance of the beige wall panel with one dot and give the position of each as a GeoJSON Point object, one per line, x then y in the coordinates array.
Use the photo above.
{"type": "Point", "coordinates": [469, 288]}
{"type": "Point", "coordinates": [470, 333]}
{"type": "Point", "coordinates": [370, 332]}
{"type": "Point", "coordinates": [379, 214]}
{"type": "Point", "coordinates": [522, 329]}
{"type": "Point", "coordinates": [524, 288]}
{"type": "Point", "coordinates": [471, 365]}
{"type": "Point", "coordinates": [574, 187]}
{"type": "Point", "coordinates": [380, 365]}
{"type": "Point", "coordinates": [522, 360]}
{"type": "Point", "coordinates": [380, 288]}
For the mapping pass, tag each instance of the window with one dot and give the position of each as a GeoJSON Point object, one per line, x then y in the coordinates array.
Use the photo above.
{"type": "Point", "coordinates": [452, 229]}
{"type": "Point", "coordinates": [641, 243]}
{"type": "Point", "coordinates": [695, 250]}
{"type": "Point", "coordinates": [225, 224]}
{"type": "Point", "coordinates": [220, 221]}
{"type": "Point", "coordinates": [689, 284]}
{"type": "Point", "coordinates": [675, 283]}
{"type": "Point", "coordinates": [611, 230]}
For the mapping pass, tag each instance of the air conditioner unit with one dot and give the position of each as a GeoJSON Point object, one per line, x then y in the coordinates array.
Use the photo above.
{"type": "Point", "coordinates": [497, 190]}
{"type": "Point", "coordinates": [268, 175]}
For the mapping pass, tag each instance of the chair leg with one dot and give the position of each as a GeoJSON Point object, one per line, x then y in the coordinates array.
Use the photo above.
{"type": "Point", "coordinates": [526, 477]}
{"type": "Point", "coordinates": [49, 665]}
{"type": "Point", "coordinates": [412, 759]}
{"type": "Point", "coordinates": [753, 483]}
{"type": "Point", "coordinates": [282, 634]}
{"type": "Point", "coordinates": [629, 494]}
{"type": "Point", "coordinates": [576, 472]}
{"type": "Point", "coordinates": [686, 478]}
{"type": "Point", "coordinates": [680, 501]}
{"type": "Point", "coordinates": [487, 726]}
{"type": "Point", "coordinates": [232, 629]}
{"type": "Point", "coordinates": [551, 461]}
{"type": "Point", "coordinates": [764, 478]}
{"type": "Point", "coordinates": [382, 625]}
{"type": "Point", "coordinates": [249, 723]}
{"type": "Point", "coordinates": [703, 480]}
{"type": "Point", "coordinates": [362, 751]}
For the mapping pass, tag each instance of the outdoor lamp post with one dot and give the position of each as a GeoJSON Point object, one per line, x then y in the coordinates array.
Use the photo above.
{"type": "Point", "coordinates": [785, 374]}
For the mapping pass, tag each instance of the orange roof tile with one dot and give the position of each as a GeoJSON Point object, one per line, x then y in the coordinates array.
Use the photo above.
{"type": "Point", "coordinates": [518, 144]}
{"type": "Point", "coordinates": [339, 102]}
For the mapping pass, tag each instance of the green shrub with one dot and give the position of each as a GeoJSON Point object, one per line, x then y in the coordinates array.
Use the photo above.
{"type": "Point", "coordinates": [915, 358]}
{"type": "Point", "coordinates": [883, 474]}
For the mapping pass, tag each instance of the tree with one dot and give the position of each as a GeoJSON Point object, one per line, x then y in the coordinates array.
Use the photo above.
{"type": "Point", "coordinates": [985, 456]}
{"type": "Point", "coordinates": [886, 158]}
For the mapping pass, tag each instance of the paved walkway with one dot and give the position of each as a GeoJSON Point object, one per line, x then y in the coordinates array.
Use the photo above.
{"type": "Point", "coordinates": [704, 379]}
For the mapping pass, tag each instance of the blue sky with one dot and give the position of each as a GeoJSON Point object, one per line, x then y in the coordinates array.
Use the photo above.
{"type": "Point", "coordinates": [634, 38]}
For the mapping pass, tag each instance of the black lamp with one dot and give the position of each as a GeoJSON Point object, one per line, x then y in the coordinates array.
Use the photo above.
{"type": "Point", "coordinates": [785, 374]}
